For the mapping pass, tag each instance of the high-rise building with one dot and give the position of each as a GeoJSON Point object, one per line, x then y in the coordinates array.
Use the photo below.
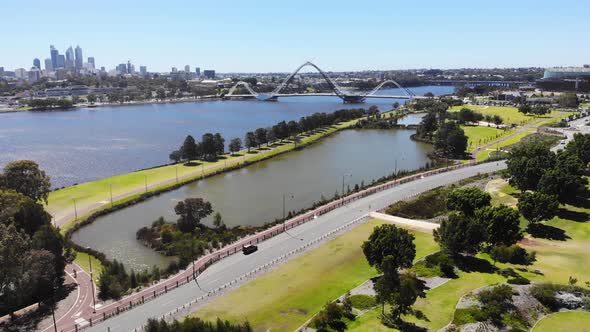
{"type": "Point", "coordinates": [1, 71]}
{"type": "Point", "coordinates": [34, 74]}
{"type": "Point", "coordinates": [143, 71]}
{"type": "Point", "coordinates": [61, 61]}
{"type": "Point", "coordinates": [209, 73]}
{"type": "Point", "coordinates": [174, 70]}
{"type": "Point", "coordinates": [187, 69]}
{"type": "Point", "coordinates": [79, 59]}
{"type": "Point", "coordinates": [37, 63]}
{"type": "Point", "coordinates": [122, 68]}
{"type": "Point", "coordinates": [54, 57]}
{"type": "Point", "coordinates": [48, 65]}
{"type": "Point", "coordinates": [91, 62]}
{"type": "Point", "coordinates": [130, 68]}
{"type": "Point", "coordinates": [69, 63]}
{"type": "Point", "coordinates": [20, 73]}
{"type": "Point", "coordinates": [198, 71]}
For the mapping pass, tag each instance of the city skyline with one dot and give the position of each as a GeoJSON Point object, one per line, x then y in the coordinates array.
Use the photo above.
{"type": "Point", "coordinates": [266, 38]}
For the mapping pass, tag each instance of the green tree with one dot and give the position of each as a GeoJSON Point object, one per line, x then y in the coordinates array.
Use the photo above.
{"type": "Point", "coordinates": [250, 140]}
{"type": "Point", "coordinates": [525, 109]}
{"type": "Point", "coordinates": [580, 146]}
{"type": "Point", "coordinates": [467, 200]}
{"type": "Point", "coordinates": [190, 212]}
{"type": "Point", "coordinates": [91, 98]}
{"type": "Point", "coordinates": [270, 136]}
{"type": "Point", "coordinates": [410, 288]}
{"type": "Point", "coordinates": [161, 94]}
{"type": "Point", "coordinates": [569, 100]}
{"type": "Point", "coordinates": [14, 291]}
{"type": "Point", "coordinates": [189, 149]}
{"type": "Point", "coordinates": [537, 206]}
{"type": "Point", "coordinates": [527, 163]}
{"type": "Point", "coordinates": [260, 134]}
{"type": "Point", "coordinates": [49, 238]}
{"type": "Point", "coordinates": [176, 156]}
{"type": "Point", "coordinates": [218, 220]}
{"type": "Point", "coordinates": [459, 234]}
{"type": "Point", "coordinates": [390, 240]}
{"type": "Point", "coordinates": [235, 145]}
{"type": "Point", "coordinates": [501, 224]}
{"type": "Point", "coordinates": [25, 177]}
{"type": "Point", "coordinates": [22, 211]}
{"type": "Point", "coordinates": [450, 139]}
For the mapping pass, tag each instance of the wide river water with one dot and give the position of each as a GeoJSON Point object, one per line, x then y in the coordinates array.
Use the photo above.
{"type": "Point", "coordinates": [92, 143]}
{"type": "Point", "coordinates": [254, 195]}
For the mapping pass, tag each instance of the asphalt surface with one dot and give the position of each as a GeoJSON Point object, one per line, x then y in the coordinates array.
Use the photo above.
{"type": "Point", "coordinates": [234, 266]}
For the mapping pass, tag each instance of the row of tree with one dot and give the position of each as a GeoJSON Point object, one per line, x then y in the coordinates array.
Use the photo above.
{"type": "Point", "coordinates": [33, 254]}
{"type": "Point", "coordinates": [50, 103]}
{"type": "Point", "coordinates": [209, 149]}
{"type": "Point", "coordinates": [194, 324]}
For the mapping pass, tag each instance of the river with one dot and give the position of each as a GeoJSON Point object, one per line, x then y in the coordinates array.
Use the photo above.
{"type": "Point", "coordinates": [253, 195]}
{"type": "Point", "coordinates": [92, 143]}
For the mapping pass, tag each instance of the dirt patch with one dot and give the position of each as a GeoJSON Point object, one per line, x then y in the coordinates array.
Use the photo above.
{"type": "Point", "coordinates": [532, 243]}
{"type": "Point", "coordinates": [494, 188]}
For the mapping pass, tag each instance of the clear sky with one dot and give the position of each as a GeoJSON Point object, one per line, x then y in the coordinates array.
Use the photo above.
{"type": "Point", "coordinates": [264, 36]}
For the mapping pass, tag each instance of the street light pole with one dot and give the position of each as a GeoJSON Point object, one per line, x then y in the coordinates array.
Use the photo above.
{"type": "Point", "coordinates": [176, 173]}
{"type": "Point", "coordinates": [344, 176]}
{"type": "Point", "coordinates": [75, 210]}
{"type": "Point", "coordinates": [145, 178]}
{"type": "Point", "coordinates": [111, 186]}
{"type": "Point", "coordinates": [92, 283]}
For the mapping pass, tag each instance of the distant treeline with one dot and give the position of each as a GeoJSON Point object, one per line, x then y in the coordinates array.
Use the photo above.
{"type": "Point", "coordinates": [50, 103]}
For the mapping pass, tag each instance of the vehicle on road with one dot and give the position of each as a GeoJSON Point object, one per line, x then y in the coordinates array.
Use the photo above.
{"type": "Point", "coordinates": [247, 250]}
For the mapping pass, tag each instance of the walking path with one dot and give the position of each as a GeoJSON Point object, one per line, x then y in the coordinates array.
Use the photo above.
{"type": "Point", "coordinates": [410, 223]}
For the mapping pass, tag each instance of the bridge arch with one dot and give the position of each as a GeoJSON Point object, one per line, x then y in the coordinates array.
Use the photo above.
{"type": "Point", "coordinates": [337, 90]}
{"type": "Point", "coordinates": [244, 84]}
{"type": "Point", "coordinates": [408, 92]}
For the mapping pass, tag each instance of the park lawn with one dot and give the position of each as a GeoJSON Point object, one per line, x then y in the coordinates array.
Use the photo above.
{"type": "Point", "coordinates": [285, 298]}
{"type": "Point", "coordinates": [61, 202]}
{"type": "Point", "coordinates": [509, 114]}
{"type": "Point", "coordinates": [564, 322]}
{"type": "Point", "coordinates": [480, 135]}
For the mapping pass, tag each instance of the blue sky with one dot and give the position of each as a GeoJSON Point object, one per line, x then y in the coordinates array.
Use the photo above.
{"type": "Point", "coordinates": [265, 36]}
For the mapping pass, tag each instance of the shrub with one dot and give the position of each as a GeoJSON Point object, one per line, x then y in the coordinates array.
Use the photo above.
{"type": "Point", "coordinates": [496, 301]}
{"type": "Point", "coordinates": [363, 302]}
{"type": "Point", "coordinates": [545, 293]}
{"type": "Point", "coordinates": [466, 316]}
{"type": "Point", "coordinates": [444, 263]}
{"type": "Point", "coordinates": [512, 254]}
{"type": "Point", "coordinates": [428, 205]}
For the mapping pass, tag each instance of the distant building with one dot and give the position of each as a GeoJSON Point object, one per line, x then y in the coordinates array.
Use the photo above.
{"type": "Point", "coordinates": [34, 74]}
{"type": "Point", "coordinates": [210, 74]}
{"type": "Point", "coordinates": [61, 61]}
{"type": "Point", "coordinates": [174, 70]}
{"type": "Point", "coordinates": [37, 63]}
{"type": "Point", "coordinates": [61, 74]}
{"type": "Point", "coordinates": [69, 63]}
{"type": "Point", "coordinates": [187, 69]}
{"type": "Point", "coordinates": [122, 68]}
{"type": "Point", "coordinates": [54, 57]}
{"type": "Point", "coordinates": [567, 72]}
{"type": "Point", "coordinates": [130, 68]}
{"type": "Point", "coordinates": [1, 71]}
{"type": "Point", "coordinates": [79, 59]}
{"type": "Point", "coordinates": [198, 71]}
{"type": "Point", "coordinates": [48, 65]}
{"type": "Point", "coordinates": [143, 71]}
{"type": "Point", "coordinates": [91, 62]}
{"type": "Point", "coordinates": [20, 73]}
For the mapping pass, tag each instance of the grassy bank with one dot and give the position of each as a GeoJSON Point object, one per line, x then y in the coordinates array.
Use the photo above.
{"type": "Point", "coordinates": [288, 296]}
{"type": "Point", "coordinates": [564, 321]}
{"type": "Point", "coordinates": [126, 187]}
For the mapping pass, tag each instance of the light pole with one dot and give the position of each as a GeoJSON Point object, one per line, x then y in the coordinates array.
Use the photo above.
{"type": "Point", "coordinates": [111, 187]}
{"type": "Point", "coordinates": [176, 173]}
{"type": "Point", "coordinates": [145, 178]}
{"type": "Point", "coordinates": [291, 196]}
{"type": "Point", "coordinates": [91, 282]}
{"type": "Point", "coordinates": [284, 197]}
{"type": "Point", "coordinates": [75, 210]}
{"type": "Point", "coordinates": [343, 177]}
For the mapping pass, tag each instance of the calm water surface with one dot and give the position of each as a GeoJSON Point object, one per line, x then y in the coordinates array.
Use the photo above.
{"type": "Point", "coordinates": [92, 143]}
{"type": "Point", "coordinates": [253, 195]}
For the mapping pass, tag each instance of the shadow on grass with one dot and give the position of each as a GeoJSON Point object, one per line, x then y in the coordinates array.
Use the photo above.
{"type": "Point", "coordinates": [474, 264]}
{"type": "Point", "coordinates": [410, 327]}
{"type": "Point", "coordinates": [192, 163]}
{"type": "Point", "coordinates": [252, 152]}
{"type": "Point", "coordinates": [547, 232]}
{"type": "Point", "coordinates": [573, 215]}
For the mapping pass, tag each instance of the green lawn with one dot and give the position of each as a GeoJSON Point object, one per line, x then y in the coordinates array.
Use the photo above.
{"type": "Point", "coordinates": [82, 261]}
{"type": "Point", "coordinates": [61, 202]}
{"type": "Point", "coordinates": [509, 114]}
{"type": "Point", "coordinates": [478, 136]}
{"type": "Point", "coordinates": [287, 297]}
{"type": "Point", "coordinates": [564, 322]}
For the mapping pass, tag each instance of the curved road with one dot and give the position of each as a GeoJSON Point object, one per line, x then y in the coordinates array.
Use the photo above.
{"type": "Point", "coordinates": [234, 266]}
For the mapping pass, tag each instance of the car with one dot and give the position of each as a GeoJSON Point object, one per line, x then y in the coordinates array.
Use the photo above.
{"type": "Point", "coordinates": [247, 250]}
{"type": "Point", "coordinates": [562, 142]}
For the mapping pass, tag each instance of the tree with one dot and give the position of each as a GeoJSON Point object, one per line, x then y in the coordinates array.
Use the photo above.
{"type": "Point", "coordinates": [161, 94]}
{"type": "Point", "coordinates": [209, 146]}
{"type": "Point", "coordinates": [539, 110]}
{"type": "Point", "coordinates": [218, 220]}
{"type": "Point", "coordinates": [468, 115]}
{"type": "Point", "coordinates": [13, 246]}
{"type": "Point", "coordinates": [459, 234]}
{"type": "Point", "coordinates": [190, 212]}
{"type": "Point", "coordinates": [450, 139]}
{"type": "Point", "coordinates": [250, 140]}
{"type": "Point", "coordinates": [410, 288]}
{"type": "Point", "coordinates": [25, 177]}
{"type": "Point", "coordinates": [565, 186]}
{"type": "Point", "coordinates": [537, 206]}
{"type": "Point", "coordinates": [175, 156]}
{"type": "Point", "coordinates": [525, 108]}
{"type": "Point", "coordinates": [527, 163]}
{"type": "Point", "coordinates": [580, 146]}
{"type": "Point", "coordinates": [330, 318]}
{"type": "Point", "coordinates": [260, 134]}
{"type": "Point", "coordinates": [427, 126]}
{"type": "Point", "coordinates": [49, 238]}
{"type": "Point", "coordinates": [91, 98]}
{"type": "Point", "coordinates": [270, 136]}
{"type": "Point", "coordinates": [501, 224]}
{"type": "Point", "coordinates": [569, 100]}
{"type": "Point", "coordinates": [467, 200]}
{"type": "Point", "coordinates": [390, 240]}
{"type": "Point", "coordinates": [189, 149]}
{"type": "Point", "coordinates": [22, 211]}
{"type": "Point", "coordinates": [235, 145]}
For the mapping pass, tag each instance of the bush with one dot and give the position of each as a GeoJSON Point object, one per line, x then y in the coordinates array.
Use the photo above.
{"type": "Point", "coordinates": [444, 263]}
{"type": "Point", "coordinates": [466, 316]}
{"type": "Point", "coordinates": [545, 293]}
{"type": "Point", "coordinates": [363, 302]}
{"type": "Point", "coordinates": [519, 280]}
{"type": "Point", "coordinates": [512, 254]}
{"type": "Point", "coordinates": [428, 205]}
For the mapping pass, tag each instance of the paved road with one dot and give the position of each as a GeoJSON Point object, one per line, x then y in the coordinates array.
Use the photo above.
{"type": "Point", "coordinates": [234, 266]}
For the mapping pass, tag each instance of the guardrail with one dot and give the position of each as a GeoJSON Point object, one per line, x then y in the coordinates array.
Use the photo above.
{"type": "Point", "coordinates": [204, 262]}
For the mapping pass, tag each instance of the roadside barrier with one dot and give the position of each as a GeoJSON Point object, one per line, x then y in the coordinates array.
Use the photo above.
{"type": "Point", "coordinates": [186, 276]}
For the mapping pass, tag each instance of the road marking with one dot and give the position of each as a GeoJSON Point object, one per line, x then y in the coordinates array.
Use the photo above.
{"type": "Point", "coordinates": [167, 303]}
{"type": "Point", "coordinates": [81, 322]}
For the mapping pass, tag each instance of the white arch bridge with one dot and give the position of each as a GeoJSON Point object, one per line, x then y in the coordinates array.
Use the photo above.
{"type": "Point", "coordinates": [346, 96]}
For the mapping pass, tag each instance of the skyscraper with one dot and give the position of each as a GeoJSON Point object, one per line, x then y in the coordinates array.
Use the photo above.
{"type": "Point", "coordinates": [91, 62]}
{"type": "Point", "coordinates": [54, 57]}
{"type": "Point", "coordinates": [198, 71]}
{"type": "Point", "coordinates": [187, 69]}
{"type": "Point", "coordinates": [61, 61]}
{"type": "Point", "coordinates": [48, 65]}
{"type": "Point", "coordinates": [79, 62]}
{"type": "Point", "coordinates": [143, 71]}
{"type": "Point", "coordinates": [37, 63]}
{"type": "Point", "coordinates": [69, 63]}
